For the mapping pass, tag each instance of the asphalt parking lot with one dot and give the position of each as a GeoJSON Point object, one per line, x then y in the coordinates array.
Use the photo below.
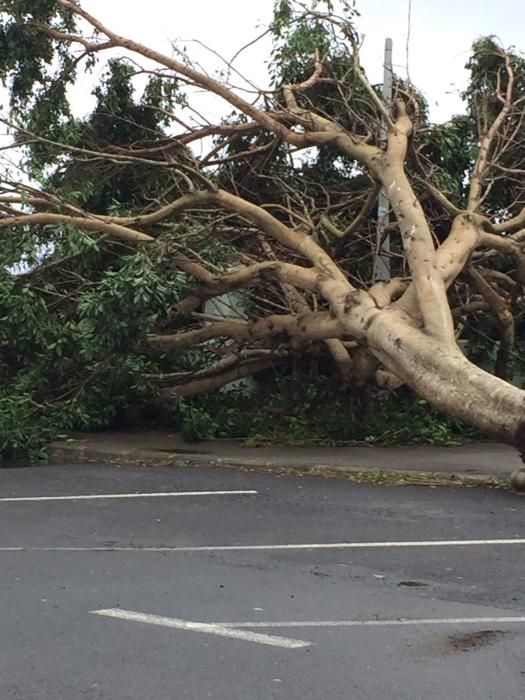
{"type": "Point", "coordinates": [129, 583]}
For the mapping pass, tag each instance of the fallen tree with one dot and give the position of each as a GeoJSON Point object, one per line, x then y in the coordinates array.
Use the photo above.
{"type": "Point", "coordinates": [274, 205]}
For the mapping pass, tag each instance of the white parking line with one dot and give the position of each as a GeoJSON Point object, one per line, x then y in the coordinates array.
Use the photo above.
{"type": "Point", "coordinates": [238, 630]}
{"type": "Point", "coordinates": [402, 622]}
{"type": "Point", "coordinates": [91, 497]}
{"type": "Point", "coordinates": [215, 629]}
{"type": "Point", "coordinates": [275, 547]}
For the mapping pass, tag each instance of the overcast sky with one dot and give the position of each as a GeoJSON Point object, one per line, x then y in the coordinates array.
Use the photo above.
{"type": "Point", "coordinates": [441, 33]}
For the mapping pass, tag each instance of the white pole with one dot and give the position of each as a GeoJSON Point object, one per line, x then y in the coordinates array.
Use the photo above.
{"type": "Point", "coordinates": [382, 263]}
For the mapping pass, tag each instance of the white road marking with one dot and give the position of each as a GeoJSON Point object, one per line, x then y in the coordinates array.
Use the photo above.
{"type": "Point", "coordinates": [206, 628]}
{"type": "Point", "coordinates": [166, 494]}
{"type": "Point", "coordinates": [379, 623]}
{"type": "Point", "coordinates": [274, 547]}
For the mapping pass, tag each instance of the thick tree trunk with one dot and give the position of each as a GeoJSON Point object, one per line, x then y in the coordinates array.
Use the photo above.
{"type": "Point", "coordinates": [441, 374]}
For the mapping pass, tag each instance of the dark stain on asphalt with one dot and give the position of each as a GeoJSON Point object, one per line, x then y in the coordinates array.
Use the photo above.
{"type": "Point", "coordinates": [443, 645]}
{"type": "Point", "coordinates": [472, 641]}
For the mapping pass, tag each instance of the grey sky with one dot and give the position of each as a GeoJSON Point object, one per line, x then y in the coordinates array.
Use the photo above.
{"type": "Point", "coordinates": [441, 34]}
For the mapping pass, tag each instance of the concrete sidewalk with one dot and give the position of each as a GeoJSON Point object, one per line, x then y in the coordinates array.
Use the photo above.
{"type": "Point", "coordinates": [488, 463]}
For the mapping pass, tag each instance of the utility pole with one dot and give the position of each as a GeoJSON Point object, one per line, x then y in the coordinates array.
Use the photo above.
{"type": "Point", "coordinates": [382, 261]}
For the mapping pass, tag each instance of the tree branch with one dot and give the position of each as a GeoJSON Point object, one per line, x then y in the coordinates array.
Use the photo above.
{"type": "Point", "coordinates": [427, 282]}
{"type": "Point", "coordinates": [91, 223]}
{"type": "Point", "coordinates": [287, 273]}
{"type": "Point", "coordinates": [207, 384]}
{"type": "Point", "coordinates": [504, 317]}
{"type": "Point", "coordinates": [482, 164]}
{"type": "Point", "coordinates": [200, 79]}
{"type": "Point", "coordinates": [310, 326]}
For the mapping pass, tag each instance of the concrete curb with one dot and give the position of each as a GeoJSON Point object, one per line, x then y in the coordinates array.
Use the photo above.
{"type": "Point", "coordinates": [77, 453]}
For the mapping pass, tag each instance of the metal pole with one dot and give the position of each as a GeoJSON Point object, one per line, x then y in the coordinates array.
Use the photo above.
{"type": "Point", "coordinates": [382, 262]}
